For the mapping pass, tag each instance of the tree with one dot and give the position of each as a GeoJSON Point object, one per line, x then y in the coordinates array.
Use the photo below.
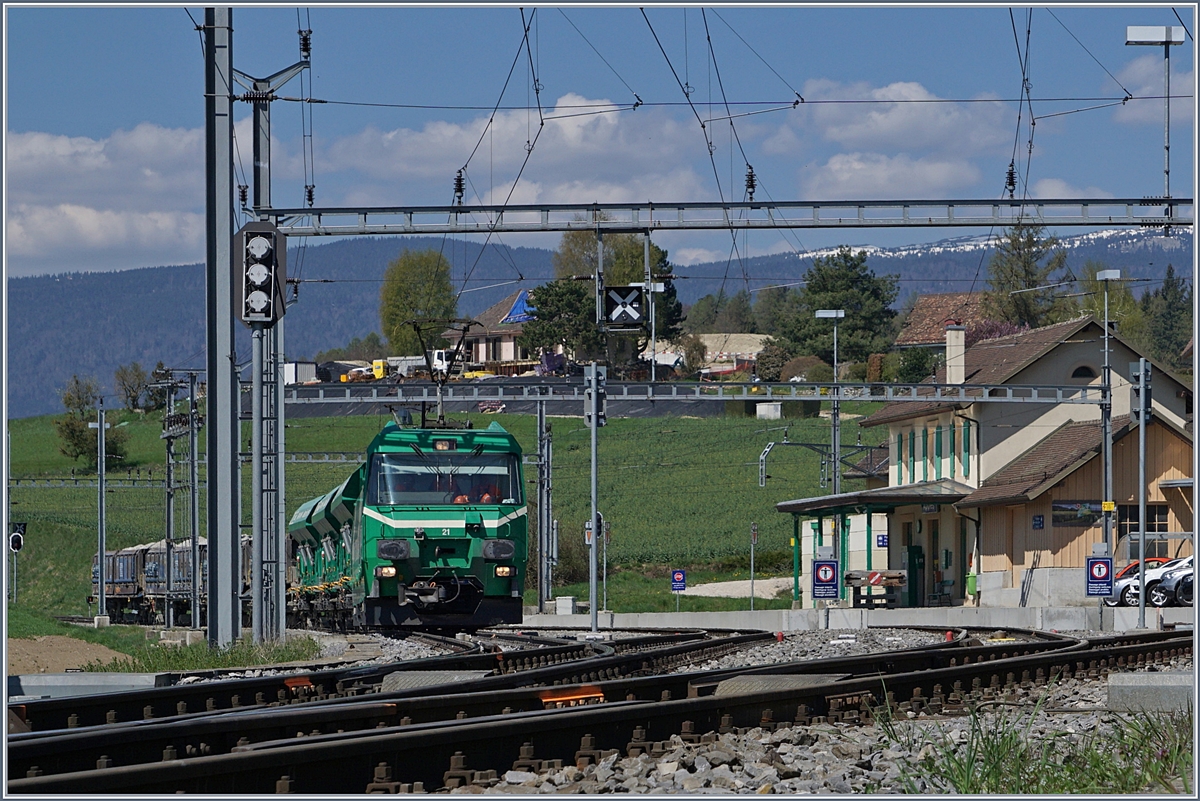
{"type": "Point", "coordinates": [841, 281]}
{"type": "Point", "coordinates": [990, 329]}
{"type": "Point", "coordinates": [564, 314]}
{"type": "Point", "coordinates": [702, 315]}
{"type": "Point", "coordinates": [624, 265]}
{"type": "Point", "coordinates": [80, 397]}
{"type": "Point", "coordinates": [416, 285]}
{"type": "Point", "coordinates": [771, 307]}
{"type": "Point", "coordinates": [736, 316]}
{"type": "Point", "coordinates": [1016, 265]}
{"type": "Point", "coordinates": [917, 364]}
{"type": "Point", "coordinates": [367, 349]}
{"type": "Point", "coordinates": [156, 397]}
{"type": "Point", "coordinates": [131, 381]}
{"type": "Point", "coordinates": [770, 362]}
{"type": "Point", "coordinates": [695, 352]}
{"type": "Point", "coordinates": [1124, 312]}
{"type": "Point", "coordinates": [1168, 312]}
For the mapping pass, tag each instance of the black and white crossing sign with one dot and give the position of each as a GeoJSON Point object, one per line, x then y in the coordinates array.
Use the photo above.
{"type": "Point", "coordinates": [825, 578]}
{"type": "Point", "coordinates": [1099, 576]}
{"type": "Point", "coordinates": [623, 306]}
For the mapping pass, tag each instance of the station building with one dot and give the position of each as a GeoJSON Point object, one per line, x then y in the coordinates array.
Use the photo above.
{"type": "Point", "coordinates": [998, 503]}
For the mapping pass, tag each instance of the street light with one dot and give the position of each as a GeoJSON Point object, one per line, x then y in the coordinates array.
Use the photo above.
{"type": "Point", "coordinates": [1107, 505]}
{"type": "Point", "coordinates": [1164, 36]}
{"type": "Point", "coordinates": [835, 417]}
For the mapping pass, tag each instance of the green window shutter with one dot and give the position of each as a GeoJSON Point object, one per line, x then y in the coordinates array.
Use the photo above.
{"type": "Point", "coordinates": [924, 453]}
{"type": "Point", "coordinates": [966, 448]}
{"type": "Point", "coordinates": [952, 451]}
{"type": "Point", "coordinates": [900, 458]}
{"type": "Point", "coordinates": [937, 453]}
{"type": "Point", "coordinates": [912, 455]}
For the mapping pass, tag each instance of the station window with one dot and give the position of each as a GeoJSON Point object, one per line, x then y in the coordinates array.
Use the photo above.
{"type": "Point", "coordinates": [1156, 522]}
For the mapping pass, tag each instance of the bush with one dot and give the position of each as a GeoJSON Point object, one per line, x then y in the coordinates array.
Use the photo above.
{"type": "Point", "coordinates": [771, 360]}
{"type": "Point", "coordinates": [874, 368]}
{"type": "Point", "coordinates": [820, 374]}
{"type": "Point", "coordinates": [799, 366]}
{"type": "Point", "coordinates": [856, 372]}
{"type": "Point", "coordinates": [917, 364]}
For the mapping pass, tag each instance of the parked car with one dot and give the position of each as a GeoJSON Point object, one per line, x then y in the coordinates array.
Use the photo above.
{"type": "Point", "coordinates": [1183, 593]}
{"type": "Point", "coordinates": [1163, 593]}
{"type": "Point", "coordinates": [1129, 573]}
{"type": "Point", "coordinates": [1129, 593]}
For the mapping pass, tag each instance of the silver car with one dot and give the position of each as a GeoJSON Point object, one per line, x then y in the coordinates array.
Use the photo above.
{"type": "Point", "coordinates": [1130, 586]}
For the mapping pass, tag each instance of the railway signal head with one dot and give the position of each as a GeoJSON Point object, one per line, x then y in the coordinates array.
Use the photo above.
{"type": "Point", "coordinates": [261, 251]}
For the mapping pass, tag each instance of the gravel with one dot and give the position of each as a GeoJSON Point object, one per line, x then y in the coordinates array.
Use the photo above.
{"type": "Point", "coordinates": [819, 644]}
{"type": "Point", "coordinates": [821, 758]}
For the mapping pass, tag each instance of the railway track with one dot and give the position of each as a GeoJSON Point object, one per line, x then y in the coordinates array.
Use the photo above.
{"type": "Point", "coordinates": [382, 741]}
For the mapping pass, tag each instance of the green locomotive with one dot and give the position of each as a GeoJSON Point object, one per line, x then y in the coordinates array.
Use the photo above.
{"type": "Point", "coordinates": [430, 532]}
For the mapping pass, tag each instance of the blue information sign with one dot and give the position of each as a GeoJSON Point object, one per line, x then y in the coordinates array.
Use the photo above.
{"type": "Point", "coordinates": [825, 578]}
{"type": "Point", "coordinates": [881, 540]}
{"type": "Point", "coordinates": [678, 580]}
{"type": "Point", "coordinates": [1099, 576]}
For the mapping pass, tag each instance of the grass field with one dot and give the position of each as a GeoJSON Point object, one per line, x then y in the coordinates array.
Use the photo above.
{"type": "Point", "coordinates": [678, 492]}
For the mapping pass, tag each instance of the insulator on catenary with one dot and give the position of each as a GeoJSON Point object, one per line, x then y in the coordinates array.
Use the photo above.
{"type": "Point", "coordinates": [309, 190]}
{"type": "Point", "coordinates": [459, 187]}
{"type": "Point", "coordinates": [751, 182]}
{"type": "Point", "coordinates": [243, 193]}
{"type": "Point", "coordinates": [305, 44]}
{"type": "Point", "coordinates": [1010, 182]}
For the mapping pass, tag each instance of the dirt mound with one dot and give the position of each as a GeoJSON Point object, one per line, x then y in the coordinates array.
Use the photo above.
{"type": "Point", "coordinates": [54, 654]}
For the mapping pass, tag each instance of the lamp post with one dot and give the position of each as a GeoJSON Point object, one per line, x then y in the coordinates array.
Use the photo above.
{"type": "Point", "coordinates": [1164, 36]}
{"type": "Point", "coordinates": [835, 418]}
{"type": "Point", "coordinates": [1106, 421]}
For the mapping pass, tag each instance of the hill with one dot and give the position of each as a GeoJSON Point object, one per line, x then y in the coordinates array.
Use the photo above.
{"type": "Point", "coordinates": [89, 323]}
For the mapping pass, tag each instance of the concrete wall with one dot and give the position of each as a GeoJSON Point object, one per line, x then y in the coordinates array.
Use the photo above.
{"type": "Point", "coordinates": [1044, 618]}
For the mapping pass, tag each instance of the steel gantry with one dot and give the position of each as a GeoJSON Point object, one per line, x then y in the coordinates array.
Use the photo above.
{"type": "Point", "coordinates": [611, 218]}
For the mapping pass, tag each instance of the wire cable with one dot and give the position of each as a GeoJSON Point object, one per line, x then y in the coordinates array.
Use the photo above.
{"type": "Point", "coordinates": [1184, 24]}
{"type": "Point", "coordinates": [602, 58]}
{"type": "Point", "coordinates": [1089, 52]}
{"type": "Point", "coordinates": [760, 58]}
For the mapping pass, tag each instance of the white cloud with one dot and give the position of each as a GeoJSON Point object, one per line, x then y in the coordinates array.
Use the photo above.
{"type": "Point", "coordinates": [69, 237]}
{"type": "Point", "coordinates": [873, 176]}
{"type": "Point", "coordinates": [1058, 188]}
{"type": "Point", "coordinates": [1143, 77]}
{"type": "Point", "coordinates": [146, 169]}
{"type": "Point", "coordinates": [915, 119]}
{"type": "Point", "coordinates": [689, 256]}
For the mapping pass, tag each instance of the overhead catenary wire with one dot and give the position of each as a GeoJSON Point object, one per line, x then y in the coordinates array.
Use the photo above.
{"type": "Point", "coordinates": [1089, 52]}
{"type": "Point", "coordinates": [638, 100]}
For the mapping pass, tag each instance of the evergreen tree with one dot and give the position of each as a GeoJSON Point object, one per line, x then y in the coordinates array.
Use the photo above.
{"type": "Point", "coordinates": [416, 286]}
{"type": "Point", "coordinates": [771, 306]}
{"type": "Point", "coordinates": [564, 314]}
{"type": "Point", "coordinates": [1169, 319]}
{"type": "Point", "coordinates": [702, 315]}
{"type": "Point", "coordinates": [1016, 265]}
{"type": "Point", "coordinates": [736, 316]}
{"type": "Point", "coordinates": [841, 281]}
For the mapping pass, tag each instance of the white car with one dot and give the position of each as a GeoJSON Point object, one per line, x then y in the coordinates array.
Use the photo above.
{"type": "Point", "coordinates": [1129, 594]}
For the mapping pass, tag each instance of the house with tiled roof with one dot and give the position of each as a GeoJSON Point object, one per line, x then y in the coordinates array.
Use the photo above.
{"type": "Point", "coordinates": [949, 463]}
{"type": "Point", "coordinates": [925, 325]}
{"type": "Point", "coordinates": [494, 340]}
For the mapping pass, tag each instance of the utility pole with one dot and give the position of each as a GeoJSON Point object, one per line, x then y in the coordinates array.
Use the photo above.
{"type": "Point", "coordinates": [545, 526]}
{"type": "Point", "coordinates": [650, 300]}
{"type": "Point", "coordinates": [593, 402]}
{"type": "Point", "coordinates": [169, 541]}
{"type": "Point", "coordinates": [224, 581]}
{"type": "Point", "coordinates": [194, 490]}
{"type": "Point", "coordinates": [1107, 505]}
{"type": "Point", "coordinates": [269, 527]}
{"type": "Point", "coordinates": [1140, 406]}
{"type": "Point", "coordinates": [100, 426]}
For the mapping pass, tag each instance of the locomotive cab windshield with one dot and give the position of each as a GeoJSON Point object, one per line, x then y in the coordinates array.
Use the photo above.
{"type": "Point", "coordinates": [444, 477]}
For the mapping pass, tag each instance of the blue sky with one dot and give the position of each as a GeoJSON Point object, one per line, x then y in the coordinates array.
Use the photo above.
{"type": "Point", "coordinates": [105, 114]}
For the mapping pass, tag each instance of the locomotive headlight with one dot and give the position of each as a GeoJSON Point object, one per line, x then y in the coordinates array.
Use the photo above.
{"type": "Point", "coordinates": [505, 571]}
{"type": "Point", "coordinates": [385, 572]}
